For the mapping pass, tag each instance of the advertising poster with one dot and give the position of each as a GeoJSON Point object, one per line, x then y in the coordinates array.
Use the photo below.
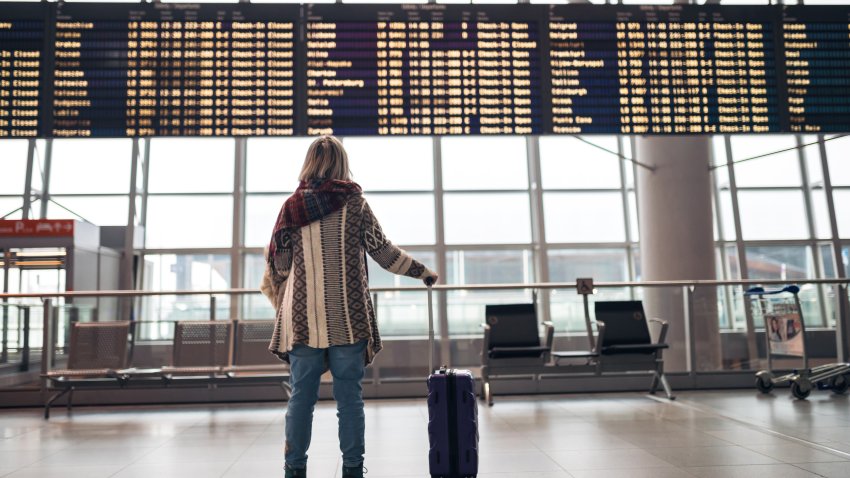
{"type": "Point", "coordinates": [784, 330]}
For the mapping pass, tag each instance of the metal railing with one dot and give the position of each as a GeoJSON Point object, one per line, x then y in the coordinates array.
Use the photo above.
{"type": "Point", "coordinates": [687, 289]}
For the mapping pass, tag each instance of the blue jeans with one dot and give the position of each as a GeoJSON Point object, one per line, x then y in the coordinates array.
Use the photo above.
{"type": "Point", "coordinates": [347, 365]}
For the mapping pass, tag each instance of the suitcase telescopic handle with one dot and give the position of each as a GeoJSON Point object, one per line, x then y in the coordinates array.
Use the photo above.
{"type": "Point", "coordinates": [430, 285]}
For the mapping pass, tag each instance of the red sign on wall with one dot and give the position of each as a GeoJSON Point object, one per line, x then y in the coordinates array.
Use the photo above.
{"type": "Point", "coordinates": [37, 228]}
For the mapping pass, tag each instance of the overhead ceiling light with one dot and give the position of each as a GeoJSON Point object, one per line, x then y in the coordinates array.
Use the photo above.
{"type": "Point", "coordinates": [38, 263]}
{"type": "Point", "coordinates": [60, 253]}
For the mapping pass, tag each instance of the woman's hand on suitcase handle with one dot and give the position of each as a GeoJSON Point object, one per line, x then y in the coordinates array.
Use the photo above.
{"type": "Point", "coordinates": [431, 279]}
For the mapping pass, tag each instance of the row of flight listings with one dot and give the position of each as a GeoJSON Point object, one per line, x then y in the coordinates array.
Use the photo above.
{"type": "Point", "coordinates": [117, 70]}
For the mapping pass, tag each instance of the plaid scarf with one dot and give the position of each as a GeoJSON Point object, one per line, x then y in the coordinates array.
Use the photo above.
{"type": "Point", "coordinates": [312, 201]}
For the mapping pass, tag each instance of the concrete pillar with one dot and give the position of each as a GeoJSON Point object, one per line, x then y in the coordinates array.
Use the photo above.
{"type": "Point", "coordinates": [677, 243]}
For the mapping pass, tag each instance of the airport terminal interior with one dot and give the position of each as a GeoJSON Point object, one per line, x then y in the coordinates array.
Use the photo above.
{"type": "Point", "coordinates": [639, 212]}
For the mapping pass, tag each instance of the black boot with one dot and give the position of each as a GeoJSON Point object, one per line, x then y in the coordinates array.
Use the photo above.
{"type": "Point", "coordinates": [295, 472]}
{"type": "Point", "coordinates": [352, 471]}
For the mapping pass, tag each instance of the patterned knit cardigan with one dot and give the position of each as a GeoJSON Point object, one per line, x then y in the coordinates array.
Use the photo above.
{"type": "Point", "coordinates": [322, 294]}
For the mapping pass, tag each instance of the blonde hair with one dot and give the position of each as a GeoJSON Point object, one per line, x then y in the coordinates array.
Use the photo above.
{"type": "Point", "coordinates": [326, 159]}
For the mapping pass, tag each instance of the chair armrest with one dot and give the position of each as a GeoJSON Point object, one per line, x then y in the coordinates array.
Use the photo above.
{"type": "Point", "coordinates": [662, 336]}
{"type": "Point", "coordinates": [548, 336]}
{"type": "Point", "coordinates": [485, 345]}
{"type": "Point", "coordinates": [600, 336]}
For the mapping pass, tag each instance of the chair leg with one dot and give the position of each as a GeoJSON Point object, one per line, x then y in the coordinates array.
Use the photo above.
{"type": "Point", "coordinates": [655, 379]}
{"type": "Point", "coordinates": [70, 403]}
{"type": "Point", "coordinates": [667, 388]}
{"type": "Point", "coordinates": [53, 399]}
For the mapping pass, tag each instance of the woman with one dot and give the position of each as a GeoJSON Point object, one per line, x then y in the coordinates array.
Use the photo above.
{"type": "Point", "coordinates": [317, 280]}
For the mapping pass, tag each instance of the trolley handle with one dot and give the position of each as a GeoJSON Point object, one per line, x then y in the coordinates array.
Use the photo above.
{"type": "Point", "coordinates": [761, 290]}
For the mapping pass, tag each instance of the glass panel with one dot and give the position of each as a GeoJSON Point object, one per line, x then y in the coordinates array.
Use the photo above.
{"type": "Point", "coordinates": [260, 216]}
{"type": "Point", "coordinates": [603, 265]}
{"type": "Point", "coordinates": [584, 217]}
{"type": "Point", "coordinates": [91, 166]}
{"type": "Point", "coordinates": [188, 272]}
{"type": "Point", "coordinates": [98, 210]}
{"type": "Point", "coordinates": [781, 169]}
{"type": "Point", "coordinates": [405, 218]}
{"type": "Point", "coordinates": [466, 309]}
{"type": "Point", "coordinates": [566, 265]}
{"type": "Point", "coordinates": [255, 306]}
{"type": "Point", "coordinates": [842, 211]}
{"type": "Point", "coordinates": [772, 215]}
{"type": "Point", "coordinates": [186, 165]}
{"type": "Point", "coordinates": [484, 163]}
{"type": "Point", "coordinates": [392, 164]}
{"type": "Point", "coordinates": [10, 204]}
{"type": "Point", "coordinates": [845, 259]}
{"type": "Point", "coordinates": [401, 313]}
{"type": "Point", "coordinates": [779, 262]}
{"type": "Point", "coordinates": [273, 164]}
{"type": "Point", "coordinates": [487, 218]}
{"type": "Point", "coordinates": [820, 211]}
{"type": "Point", "coordinates": [189, 221]}
{"type": "Point", "coordinates": [827, 261]}
{"type": "Point", "coordinates": [569, 163]}
{"type": "Point", "coordinates": [727, 216]}
{"type": "Point", "coordinates": [291, 1]}
{"type": "Point", "coordinates": [788, 263]}
{"type": "Point", "coordinates": [633, 217]}
{"type": "Point", "coordinates": [839, 166]}
{"type": "Point", "coordinates": [813, 163]}
{"type": "Point", "coordinates": [14, 154]}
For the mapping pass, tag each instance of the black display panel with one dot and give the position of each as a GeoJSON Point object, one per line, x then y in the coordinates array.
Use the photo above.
{"type": "Point", "coordinates": [21, 60]}
{"type": "Point", "coordinates": [423, 69]}
{"type": "Point", "coordinates": [148, 69]}
{"type": "Point", "coordinates": [816, 57]}
{"type": "Point", "coordinates": [173, 70]}
{"type": "Point", "coordinates": [663, 70]}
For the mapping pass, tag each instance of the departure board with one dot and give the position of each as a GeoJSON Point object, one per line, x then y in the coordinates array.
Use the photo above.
{"type": "Point", "coordinates": [816, 44]}
{"type": "Point", "coordinates": [174, 70]}
{"type": "Point", "coordinates": [100, 69]}
{"type": "Point", "coordinates": [21, 47]}
{"type": "Point", "coordinates": [422, 69]}
{"type": "Point", "coordinates": [663, 70]}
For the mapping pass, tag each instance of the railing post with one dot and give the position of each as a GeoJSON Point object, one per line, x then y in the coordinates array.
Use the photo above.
{"type": "Point", "coordinates": [25, 350]}
{"type": "Point", "coordinates": [842, 324]}
{"type": "Point", "coordinates": [212, 307]}
{"type": "Point", "coordinates": [54, 335]}
{"type": "Point", "coordinates": [752, 348]}
{"type": "Point", "coordinates": [690, 338]}
{"type": "Point", "coordinates": [4, 341]}
{"type": "Point", "coordinates": [46, 342]}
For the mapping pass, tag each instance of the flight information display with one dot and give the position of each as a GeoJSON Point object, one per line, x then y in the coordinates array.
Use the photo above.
{"type": "Point", "coordinates": [422, 69]}
{"type": "Point", "coordinates": [662, 70]}
{"type": "Point", "coordinates": [21, 55]}
{"type": "Point", "coordinates": [174, 70]}
{"type": "Point", "coordinates": [76, 70]}
{"type": "Point", "coordinates": [816, 44]}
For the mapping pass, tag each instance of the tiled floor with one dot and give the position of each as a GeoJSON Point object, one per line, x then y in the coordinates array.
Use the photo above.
{"type": "Point", "coordinates": [705, 434]}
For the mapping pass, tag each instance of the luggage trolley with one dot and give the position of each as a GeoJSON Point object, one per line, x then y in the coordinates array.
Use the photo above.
{"type": "Point", "coordinates": [785, 336]}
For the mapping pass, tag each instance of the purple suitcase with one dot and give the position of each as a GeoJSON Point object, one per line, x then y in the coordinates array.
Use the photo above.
{"type": "Point", "coordinates": [452, 418]}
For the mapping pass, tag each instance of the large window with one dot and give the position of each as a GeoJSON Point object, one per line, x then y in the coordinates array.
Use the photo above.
{"type": "Point", "coordinates": [190, 203]}
{"type": "Point", "coordinates": [503, 209]}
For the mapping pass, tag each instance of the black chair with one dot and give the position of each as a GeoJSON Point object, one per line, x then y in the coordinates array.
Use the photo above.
{"type": "Point", "coordinates": [512, 344]}
{"type": "Point", "coordinates": [625, 343]}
